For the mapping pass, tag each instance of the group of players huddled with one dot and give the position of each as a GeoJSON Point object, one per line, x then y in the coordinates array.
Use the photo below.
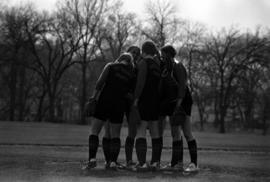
{"type": "Point", "coordinates": [147, 86]}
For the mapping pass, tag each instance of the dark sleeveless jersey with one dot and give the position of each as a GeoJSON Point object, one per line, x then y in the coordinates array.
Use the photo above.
{"type": "Point", "coordinates": [149, 98]}
{"type": "Point", "coordinates": [119, 83]}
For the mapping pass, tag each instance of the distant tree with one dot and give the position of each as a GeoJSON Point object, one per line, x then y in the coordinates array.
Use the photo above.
{"type": "Point", "coordinates": [231, 53]}
{"type": "Point", "coordinates": [14, 41]}
{"type": "Point", "coordinates": [53, 49]}
{"type": "Point", "coordinates": [162, 26]}
{"type": "Point", "coordinates": [196, 62]}
{"type": "Point", "coordinates": [118, 31]}
{"type": "Point", "coordinates": [85, 17]}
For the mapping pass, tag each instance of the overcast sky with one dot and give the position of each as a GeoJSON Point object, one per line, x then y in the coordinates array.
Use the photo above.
{"type": "Point", "coordinates": [214, 13]}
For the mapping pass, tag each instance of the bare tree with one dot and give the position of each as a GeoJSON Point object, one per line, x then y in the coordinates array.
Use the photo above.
{"type": "Point", "coordinates": [53, 49]}
{"type": "Point", "coordinates": [162, 25]}
{"type": "Point", "coordinates": [14, 39]}
{"type": "Point", "coordinates": [117, 32]}
{"type": "Point", "coordinates": [86, 17]}
{"type": "Point", "coordinates": [231, 53]}
{"type": "Point", "coordinates": [196, 61]}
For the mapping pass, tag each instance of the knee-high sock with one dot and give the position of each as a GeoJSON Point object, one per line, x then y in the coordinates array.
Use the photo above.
{"type": "Point", "coordinates": [129, 148]}
{"type": "Point", "coordinates": [160, 148]}
{"type": "Point", "coordinates": [115, 148]}
{"type": "Point", "coordinates": [141, 149]}
{"type": "Point", "coordinates": [106, 142]}
{"type": "Point", "coordinates": [156, 150]}
{"type": "Point", "coordinates": [177, 152]}
{"type": "Point", "coordinates": [192, 147]}
{"type": "Point", "coordinates": [93, 146]}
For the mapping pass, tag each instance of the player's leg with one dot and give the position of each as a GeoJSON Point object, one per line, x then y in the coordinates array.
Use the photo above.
{"type": "Point", "coordinates": [106, 142]}
{"type": "Point", "coordinates": [141, 145]}
{"type": "Point", "coordinates": [162, 124]}
{"type": "Point", "coordinates": [115, 129]}
{"type": "Point", "coordinates": [176, 119]}
{"type": "Point", "coordinates": [157, 144]}
{"type": "Point", "coordinates": [94, 142]}
{"type": "Point", "coordinates": [129, 143]}
{"type": "Point", "coordinates": [177, 144]}
{"type": "Point", "coordinates": [192, 145]}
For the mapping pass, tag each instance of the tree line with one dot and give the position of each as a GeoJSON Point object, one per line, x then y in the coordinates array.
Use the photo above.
{"type": "Point", "coordinates": [50, 60]}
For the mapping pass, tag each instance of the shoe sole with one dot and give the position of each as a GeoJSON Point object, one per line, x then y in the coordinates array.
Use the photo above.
{"type": "Point", "coordinates": [190, 172]}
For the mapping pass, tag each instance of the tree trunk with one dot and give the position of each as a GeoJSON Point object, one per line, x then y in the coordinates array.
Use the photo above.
{"type": "Point", "coordinates": [216, 110]}
{"type": "Point", "coordinates": [222, 120]}
{"type": "Point", "coordinates": [21, 99]}
{"type": "Point", "coordinates": [51, 106]}
{"type": "Point", "coordinates": [39, 115]}
{"type": "Point", "coordinates": [201, 114]}
{"type": "Point", "coordinates": [13, 89]}
{"type": "Point", "coordinates": [83, 96]}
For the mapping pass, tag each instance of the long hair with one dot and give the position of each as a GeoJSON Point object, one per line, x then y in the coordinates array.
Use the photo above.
{"type": "Point", "coordinates": [168, 57]}
{"type": "Point", "coordinates": [135, 51]}
{"type": "Point", "coordinates": [126, 57]}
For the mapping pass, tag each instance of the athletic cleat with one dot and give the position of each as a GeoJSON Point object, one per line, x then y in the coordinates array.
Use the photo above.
{"type": "Point", "coordinates": [176, 167]}
{"type": "Point", "coordinates": [107, 165]}
{"type": "Point", "coordinates": [192, 168]}
{"type": "Point", "coordinates": [113, 166]}
{"type": "Point", "coordinates": [130, 165]}
{"type": "Point", "coordinates": [141, 168]}
{"type": "Point", "coordinates": [91, 164]}
{"type": "Point", "coordinates": [120, 166]}
{"type": "Point", "coordinates": [154, 166]}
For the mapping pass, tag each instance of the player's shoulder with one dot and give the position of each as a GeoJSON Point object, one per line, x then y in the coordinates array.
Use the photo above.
{"type": "Point", "coordinates": [178, 64]}
{"type": "Point", "coordinates": [114, 65]}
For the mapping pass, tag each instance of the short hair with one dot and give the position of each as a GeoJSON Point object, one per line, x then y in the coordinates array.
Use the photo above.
{"type": "Point", "coordinates": [168, 49]}
{"type": "Point", "coordinates": [149, 48]}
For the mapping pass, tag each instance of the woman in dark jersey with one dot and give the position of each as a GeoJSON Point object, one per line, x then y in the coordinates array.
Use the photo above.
{"type": "Point", "coordinates": [178, 108]}
{"type": "Point", "coordinates": [147, 101]}
{"type": "Point", "coordinates": [112, 87]}
{"type": "Point", "coordinates": [129, 144]}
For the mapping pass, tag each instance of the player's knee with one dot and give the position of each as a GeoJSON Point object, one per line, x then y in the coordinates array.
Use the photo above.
{"type": "Point", "coordinates": [176, 134]}
{"type": "Point", "coordinates": [188, 135]}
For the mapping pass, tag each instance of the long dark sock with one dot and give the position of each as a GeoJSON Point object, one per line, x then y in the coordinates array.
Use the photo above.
{"type": "Point", "coordinates": [141, 149]}
{"type": "Point", "coordinates": [129, 148]}
{"type": "Point", "coordinates": [155, 150]}
{"type": "Point", "coordinates": [160, 148]}
{"type": "Point", "coordinates": [177, 152]}
{"type": "Point", "coordinates": [115, 148]}
{"type": "Point", "coordinates": [106, 148]}
{"type": "Point", "coordinates": [192, 147]}
{"type": "Point", "coordinates": [93, 146]}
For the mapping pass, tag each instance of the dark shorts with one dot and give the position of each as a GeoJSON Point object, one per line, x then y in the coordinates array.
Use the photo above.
{"type": "Point", "coordinates": [167, 108]}
{"type": "Point", "coordinates": [184, 111]}
{"type": "Point", "coordinates": [106, 112]}
{"type": "Point", "coordinates": [148, 113]}
{"type": "Point", "coordinates": [179, 118]}
{"type": "Point", "coordinates": [187, 103]}
{"type": "Point", "coordinates": [149, 109]}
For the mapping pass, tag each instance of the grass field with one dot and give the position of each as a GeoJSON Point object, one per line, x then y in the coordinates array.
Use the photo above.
{"type": "Point", "coordinates": [54, 152]}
